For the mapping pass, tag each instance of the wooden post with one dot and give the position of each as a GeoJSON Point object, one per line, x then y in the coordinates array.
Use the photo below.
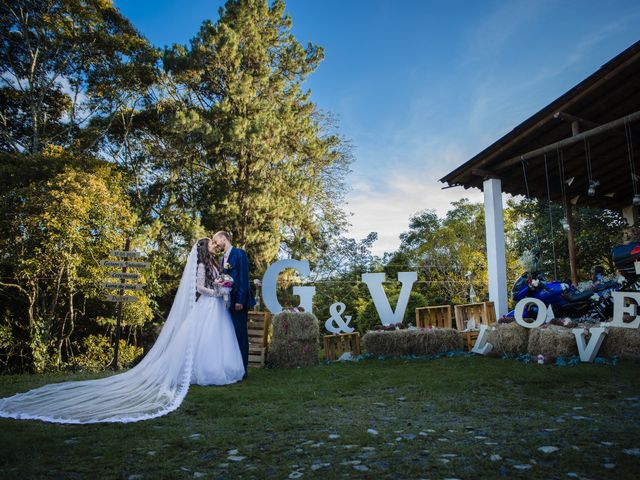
{"type": "Point", "coordinates": [116, 348]}
{"type": "Point", "coordinates": [571, 244]}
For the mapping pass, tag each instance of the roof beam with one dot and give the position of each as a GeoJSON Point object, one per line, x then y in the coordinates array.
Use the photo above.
{"type": "Point", "coordinates": [573, 119]}
{"type": "Point", "coordinates": [569, 141]}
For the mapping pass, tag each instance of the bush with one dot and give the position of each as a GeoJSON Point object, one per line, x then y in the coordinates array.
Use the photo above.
{"type": "Point", "coordinates": [368, 317]}
{"type": "Point", "coordinates": [98, 354]}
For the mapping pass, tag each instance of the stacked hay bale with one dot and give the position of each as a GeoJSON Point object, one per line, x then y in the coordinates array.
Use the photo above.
{"type": "Point", "coordinates": [417, 341]}
{"type": "Point", "coordinates": [295, 340]}
{"type": "Point", "coordinates": [508, 338]}
{"type": "Point", "coordinates": [552, 341]}
{"type": "Point", "coordinates": [623, 343]}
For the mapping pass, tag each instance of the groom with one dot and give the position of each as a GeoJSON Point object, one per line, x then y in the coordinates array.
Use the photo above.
{"type": "Point", "coordinates": [235, 263]}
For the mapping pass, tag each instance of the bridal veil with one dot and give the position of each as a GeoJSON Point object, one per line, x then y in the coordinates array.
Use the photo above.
{"type": "Point", "coordinates": [154, 387]}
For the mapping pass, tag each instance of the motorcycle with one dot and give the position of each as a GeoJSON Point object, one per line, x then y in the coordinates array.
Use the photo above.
{"type": "Point", "coordinates": [592, 304]}
{"type": "Point", "coordinates": [625, 258]}
{"type": "Point", "coordinates": [566, 300]}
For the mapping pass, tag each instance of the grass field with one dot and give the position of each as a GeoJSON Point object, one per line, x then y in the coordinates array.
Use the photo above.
{"type": "Point", "coordinates": [463, 417]}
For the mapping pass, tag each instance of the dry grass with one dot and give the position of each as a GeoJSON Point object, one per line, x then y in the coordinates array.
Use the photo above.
{"type": "Point", "coordinates": [421, 341]}
{"type": "Point", "coordinates": [295, 326]}
{"type": "Point", "coordinates": [295, 340]}
{"type": "Point", "coordinates": [293, 354]}
{"type": "Point", "coordinates": [552, 341]}
{"type": "Point", "coordinates": [508, 338]}
{"type": "Point", "coordinates": [622, 343]}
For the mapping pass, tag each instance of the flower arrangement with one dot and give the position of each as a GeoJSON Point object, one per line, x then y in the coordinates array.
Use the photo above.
{"type": "Point", "coordinates": [298, 309]}
{"type": "Point", "coordinates": [389, 328]}
{"type": "Point", "coordinates": [225, 280]}
{"type": "Point", "coordinates": [529, 260]}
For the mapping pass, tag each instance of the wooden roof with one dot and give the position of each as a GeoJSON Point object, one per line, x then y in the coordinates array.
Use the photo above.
{"type": "Point", "coordinates": [609, 94]}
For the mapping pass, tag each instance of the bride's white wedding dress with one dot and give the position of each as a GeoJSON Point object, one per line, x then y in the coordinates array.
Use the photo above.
{"type": "Point", "coordinates": [197, 345]}
{"type": "Point", "coordinates": [216, 355]}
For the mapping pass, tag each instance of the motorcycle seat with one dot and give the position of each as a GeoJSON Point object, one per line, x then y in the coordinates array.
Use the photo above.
{"type": "Point", "coordinates": [606, 286]}
{"type": "Point", "coordinates": [575, 296]}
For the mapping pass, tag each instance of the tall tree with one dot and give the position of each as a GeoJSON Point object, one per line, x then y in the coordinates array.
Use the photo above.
{"type": "Point", "coordinates": [63, 64]}
{"type": "Point", "coordinates": [269, 163]}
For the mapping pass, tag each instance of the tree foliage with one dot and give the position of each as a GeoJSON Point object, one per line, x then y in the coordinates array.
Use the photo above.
{"type": "Point", "coordinates": [62, 227]}
{"type": "Point", "coordinates": [538, 226]}
{"type": "Point", "coordinates": [105, 137]}
{"type": "Point", "coordinates": [270, 169]}
{"type": "Point", "coordinates": [65, 63]}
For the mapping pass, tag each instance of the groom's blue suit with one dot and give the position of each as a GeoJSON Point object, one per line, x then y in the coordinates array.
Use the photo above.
{"type": "Point", "coordinates": [238, 264]}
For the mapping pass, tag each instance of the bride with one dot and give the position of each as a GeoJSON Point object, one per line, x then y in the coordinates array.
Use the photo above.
{"type": "Point", "coordinates": [197, 345]}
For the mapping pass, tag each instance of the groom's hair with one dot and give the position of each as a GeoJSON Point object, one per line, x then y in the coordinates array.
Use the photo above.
{"type": "Point", "coordinates": [222, 233]}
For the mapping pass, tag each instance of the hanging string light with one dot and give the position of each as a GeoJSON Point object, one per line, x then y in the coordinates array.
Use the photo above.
{"type": "Point", "coordinates": [563, 190]}
{"type": "Point", "coordinates": [591, 191]}
{"type": "Point", "coordinates": [526, 184]}
{"type": "Point", "coordinates": [553, 242]}
{"type": "Point", "coordinates": [632, 163]}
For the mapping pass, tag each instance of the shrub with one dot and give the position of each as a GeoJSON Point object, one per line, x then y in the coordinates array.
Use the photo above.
{"type": "Point", "coordinates": [98, 354]}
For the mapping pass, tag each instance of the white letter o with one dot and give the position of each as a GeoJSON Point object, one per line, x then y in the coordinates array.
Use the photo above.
{"type": "Point", "coordinates": [519, 312]}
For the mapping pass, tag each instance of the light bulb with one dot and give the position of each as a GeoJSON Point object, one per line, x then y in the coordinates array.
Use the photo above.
{"type": "Point", "coordinates": [592, 187]}
{"type": "Point", "coordinates": [636, 199]}
{"type": "Point", "coordinates": [564, 223]}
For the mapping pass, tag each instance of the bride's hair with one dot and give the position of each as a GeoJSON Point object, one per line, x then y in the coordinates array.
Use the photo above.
{"type": "Point", "coordinates": [207, 260]}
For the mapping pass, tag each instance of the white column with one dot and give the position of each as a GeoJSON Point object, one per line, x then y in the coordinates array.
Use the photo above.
{"type": "Point", "coordinates": [630, 214]}
{"type": "Point", "coordinates": [496, 258]}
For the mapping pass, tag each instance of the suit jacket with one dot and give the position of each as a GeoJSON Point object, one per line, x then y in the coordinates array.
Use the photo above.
{"type": "Point", "coordinates": [238, 264]}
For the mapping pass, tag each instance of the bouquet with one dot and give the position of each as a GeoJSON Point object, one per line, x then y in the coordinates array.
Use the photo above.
{"type": "Point", "coordinates": [225, 280]}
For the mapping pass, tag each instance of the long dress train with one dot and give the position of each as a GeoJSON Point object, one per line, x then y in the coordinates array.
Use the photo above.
{"type": "Point", "coordinates": [194, 344]}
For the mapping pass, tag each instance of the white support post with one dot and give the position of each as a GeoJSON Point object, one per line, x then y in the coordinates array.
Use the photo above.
{"type": "Point", "coordinates": [630, 214]}
{"type": "Point", "coordinates": [496, 258]}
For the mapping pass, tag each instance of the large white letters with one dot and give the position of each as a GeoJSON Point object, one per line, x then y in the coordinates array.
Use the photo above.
{"type": "Point", "coordinates": [270, 282]}
{"type": "Point", "coordinates": [482, 346]}
{"type": "Point", "coordinates": [588, 351]}
{"type": "Point", "coordinates": [619, 309]}
{"type": "Point", "coordinates": [519, 311]}
{"type": "Point", "coordinates": [374, 282]}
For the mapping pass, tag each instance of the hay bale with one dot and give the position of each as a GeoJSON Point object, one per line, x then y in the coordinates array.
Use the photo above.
{"type": "Point", "coordinates": [295, 340]}
{"type": "Point", "coordinates": [293, 354]}
{"type": "Point", "coordinates": [552, 341]}
{"type": "Point", "coordinates": [508, 338]}
{"type": "Point", "coordinates": [419, 341]}
{"type": "Point", "coordinates": [623, 343]}
{"type": "Point", "coordinates": [295, 326]}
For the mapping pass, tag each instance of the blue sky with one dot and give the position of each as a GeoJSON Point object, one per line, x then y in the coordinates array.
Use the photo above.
{"type": "Point", "coordinates": [421, 86]}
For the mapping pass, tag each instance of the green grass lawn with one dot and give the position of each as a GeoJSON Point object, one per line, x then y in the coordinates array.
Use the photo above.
{"type": "Point", "coordinates": [463, 417]}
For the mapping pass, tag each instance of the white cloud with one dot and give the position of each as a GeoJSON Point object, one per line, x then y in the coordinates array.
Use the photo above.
{"type": "Point", "coordinates": [387, 210]}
